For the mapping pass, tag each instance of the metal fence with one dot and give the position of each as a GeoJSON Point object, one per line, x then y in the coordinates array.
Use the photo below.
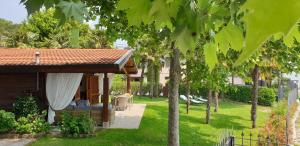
{"type": "Point", "coordinates": [288, 90]}
{"type": "Point", "coordinates": [292, 92]}
{"type": "Point", "coordinates": [248, 140]}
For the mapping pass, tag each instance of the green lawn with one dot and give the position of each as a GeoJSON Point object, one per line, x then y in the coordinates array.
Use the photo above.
{"type": "Point", "coordinates": [153, 128]}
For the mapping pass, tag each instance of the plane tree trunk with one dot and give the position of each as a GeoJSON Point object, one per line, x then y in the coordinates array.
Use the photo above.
{"type": "Point", "coordinates": [188, 86]}
{"type": "Point", "coordinates": [142, 76]}
{"type": "Point", "coordinates": [156, 76]}
{"type": "Point", "coordinates": [173, 123]}
{"type": "Point", "coordinates": [254, 94]}
{"type": "Point", "coordinates": [216, 97]}
{"type": "Point", "coordinates": [209, 99]}
{"type": "Point", "coordinates": [150, 77]}
{"type": "Point", "coordinates": [188, 90]}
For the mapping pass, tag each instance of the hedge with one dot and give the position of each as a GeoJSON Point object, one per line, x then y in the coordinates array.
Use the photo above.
{"type": "Point", "coordinates": [197, 91]}
{"type": "Point", "coordinates": [266, 96]}
{"type": "Point", "coordinates": [119, 87]}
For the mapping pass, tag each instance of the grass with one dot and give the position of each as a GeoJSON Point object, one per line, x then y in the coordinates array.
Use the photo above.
{"type": "Point", "coordinates": [153, 128]}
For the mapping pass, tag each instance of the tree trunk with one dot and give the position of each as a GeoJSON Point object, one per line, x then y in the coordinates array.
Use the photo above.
{"type": "Point", "coordinates": [173, 123]}
{"type": "Point", "coordinates": [280, 87]}
{"type": "Point", "coordinates": [156, 80]}
{"type": "Point", "coordinates": [254, 94]}
{"type": "Point", "coordinates": [209, 98]}
{"type": "Point", "coordinates": [150, 77]}
{"type": "Point", "coordinates": [188, 90]}
{"type": "Point", "coordinates": [142, 76]}
{"type": "Point", "coordinates": [232, 79]}
{"type": "Point", "coordinates": [216, 96]}
{"type": "Point", "coordinates": [188, 86]}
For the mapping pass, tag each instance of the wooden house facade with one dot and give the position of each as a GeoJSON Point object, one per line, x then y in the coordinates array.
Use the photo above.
{"type": "Point", "coordinates": [23, 72]}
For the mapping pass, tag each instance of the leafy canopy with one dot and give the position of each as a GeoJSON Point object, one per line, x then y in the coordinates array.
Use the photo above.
{"type": "Point", "coordinates": [189, 19]}
{"type": "Point", "coordinates": [266, 18]}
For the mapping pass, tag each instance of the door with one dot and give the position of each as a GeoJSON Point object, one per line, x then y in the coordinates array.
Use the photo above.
{"type": "Point", "coordinates": [92, 91]}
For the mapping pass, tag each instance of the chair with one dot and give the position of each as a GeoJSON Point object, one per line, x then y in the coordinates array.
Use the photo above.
{"type": "Point", "coordinates": [199, 98]}
{"type": "Point", "coordinates": [121, 103]}
{"type": "Point", "coordinates": [183, 97]}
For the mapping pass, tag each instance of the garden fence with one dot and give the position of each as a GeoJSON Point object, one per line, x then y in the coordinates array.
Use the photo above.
{"type": "Point", "coordinates": [249, 139]}
{"type": "Point", "coordinates": [292, 92]}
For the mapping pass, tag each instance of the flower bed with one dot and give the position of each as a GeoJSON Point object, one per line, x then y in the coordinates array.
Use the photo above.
{"type": "Point", "coordinates": [275, 128]}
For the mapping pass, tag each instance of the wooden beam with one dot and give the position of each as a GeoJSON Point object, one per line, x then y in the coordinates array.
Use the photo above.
{"type": "Point", "coordinates": [105, 101]}
{"type": "Point", "coordinates": [128, 84]}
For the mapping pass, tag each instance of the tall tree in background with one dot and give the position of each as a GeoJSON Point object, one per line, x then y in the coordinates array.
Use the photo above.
{"type": "Point", "coordinates": [7, 28]}
{"type": "Point", "coordinates": [42, 30]}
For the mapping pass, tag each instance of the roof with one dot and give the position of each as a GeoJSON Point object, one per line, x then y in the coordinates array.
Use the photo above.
{"type": "Point", "coordinates": [105, 60]}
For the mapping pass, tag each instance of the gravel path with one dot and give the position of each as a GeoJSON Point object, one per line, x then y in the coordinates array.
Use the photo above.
{"type": "Point", "coordinates": [130, 118]}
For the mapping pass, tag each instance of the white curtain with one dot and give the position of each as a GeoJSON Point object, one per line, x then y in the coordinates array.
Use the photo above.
{"type": "Point", "coordinates": [60, 90]}
{"type": "Point", "coordinates": [110, 79]}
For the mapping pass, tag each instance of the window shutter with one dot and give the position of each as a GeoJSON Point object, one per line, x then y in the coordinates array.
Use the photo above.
{"type": "Point", "coordinates": [93, 89]}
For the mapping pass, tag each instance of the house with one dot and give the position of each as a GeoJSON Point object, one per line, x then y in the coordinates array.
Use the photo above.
{"type": "Point", "coordinates": [57, 76]}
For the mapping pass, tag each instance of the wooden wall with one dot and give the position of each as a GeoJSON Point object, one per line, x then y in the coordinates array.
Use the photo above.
{"type": "Point", "coordinates": [16, 84]}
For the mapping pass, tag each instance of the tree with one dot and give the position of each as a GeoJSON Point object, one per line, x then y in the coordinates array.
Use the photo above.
{"type": "Point", "coordinates": [173, 126]}
{"type": "Point", "coordinates": [6, 29]}
{"type": "Point", "coordinates": [42, 30]}
{"type": "Point", "coordinates": [254, 94]}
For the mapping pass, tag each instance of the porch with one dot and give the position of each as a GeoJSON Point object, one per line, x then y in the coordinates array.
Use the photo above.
{"type": "Point", "coordinates": [59, 76]}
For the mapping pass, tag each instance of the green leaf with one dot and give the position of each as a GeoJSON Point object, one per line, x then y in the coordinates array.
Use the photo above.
{"type": "Point", "coordinates": [137, 11]}
{"type": "Point", "coordinates": [163, 12]}
{"type": "Point", "coordinates": [32, 5]}
{"type": "Point", "coordinates": [218, 11]}
{"type": "Point", "coordinates": [184, 40]}
{"type": "Point", "coordinates": [230, 37]}
{"type": "Point", "coordinates": [263, 18]}
{"type": "Point", "coordinates": [277, 36]}
{"type": "Point", "coordinates": [210, 54]}
{"type": "Point", "coordinates": [289, 39]}
{"type": "Point", "coordinates": [76, 10]}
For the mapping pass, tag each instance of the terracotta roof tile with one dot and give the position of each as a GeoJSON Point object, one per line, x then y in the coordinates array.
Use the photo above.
{"type": "Point", "coordinates": [13, 56]}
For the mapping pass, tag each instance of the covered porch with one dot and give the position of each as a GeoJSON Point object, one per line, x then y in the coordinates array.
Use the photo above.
{"type": "Point", "coordinates": [93, 68]}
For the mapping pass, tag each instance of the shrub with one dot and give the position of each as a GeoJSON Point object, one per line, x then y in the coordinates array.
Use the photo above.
{"type": "Point", "coordinates": [119, 87]}
{"type": "Point", "coordinates": [266, 96]}
{"type": "Point", "coordinates": [76, 125]}
{"type": "Point", "coordinates": [7, 121]}
{"type": "Point", "coordinates": [32, 124]}
{"type": "Point", "coordinates": [146, 88]}
{"type": "Point", "coordinates": [25, 105]}
{"type": "Point", "coordinates": [239, 93]}
{"type": "Point", "coordinates": [24, 125]}
{"type": "Point", "coordinates": [275, 126]}
{"type": "Point", "coordinates": [194, 90]}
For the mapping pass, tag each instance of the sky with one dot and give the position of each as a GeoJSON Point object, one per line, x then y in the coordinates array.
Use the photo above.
{"type": "Point", "coordinates": [14, 11]}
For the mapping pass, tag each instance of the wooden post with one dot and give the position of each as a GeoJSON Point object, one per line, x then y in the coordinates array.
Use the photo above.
{"type": "Point", "coordinates": [128, 84]}
{"type": "Point", "coordinates": [105, 101]}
